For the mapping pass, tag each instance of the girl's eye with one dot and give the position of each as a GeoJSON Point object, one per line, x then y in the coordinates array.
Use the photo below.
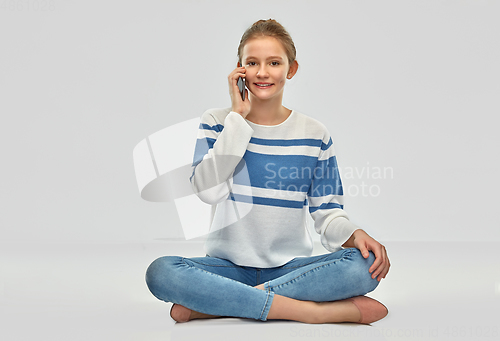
{"type": "Point", "coordinates": [275, 63]}
{"type": "Point", "coordinates": [251, 63]}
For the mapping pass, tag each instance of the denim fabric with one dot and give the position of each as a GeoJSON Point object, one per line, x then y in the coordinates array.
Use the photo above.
{"type": "Point", "coordinates": [219, 287]}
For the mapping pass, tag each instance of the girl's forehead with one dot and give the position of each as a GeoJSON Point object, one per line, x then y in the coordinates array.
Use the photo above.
{"type": "Point", "coordinates": [261, 46]}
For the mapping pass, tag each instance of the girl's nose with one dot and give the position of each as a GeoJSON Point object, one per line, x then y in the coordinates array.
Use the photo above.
{"type": "Point", "coordinates": [262, 72]}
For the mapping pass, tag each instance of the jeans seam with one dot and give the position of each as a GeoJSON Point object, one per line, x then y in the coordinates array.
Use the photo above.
{"type": "Point", "coordinates": [321, 265]}
{"type": "Point", "coordinates": [265, 305]}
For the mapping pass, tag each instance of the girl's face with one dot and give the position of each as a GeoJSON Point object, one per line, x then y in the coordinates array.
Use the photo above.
{"type": "Point", "coordinates": [267, 67]}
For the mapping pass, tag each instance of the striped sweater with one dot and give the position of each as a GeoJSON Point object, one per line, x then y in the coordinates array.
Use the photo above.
{"type": "Point", "coordinates": [264, 180]}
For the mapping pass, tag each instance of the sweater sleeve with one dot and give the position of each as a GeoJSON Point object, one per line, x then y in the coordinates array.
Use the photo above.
{"type": "Point", "coordinates": [219, 149]}
{"type": "Point", "coordinates": [325, 198]}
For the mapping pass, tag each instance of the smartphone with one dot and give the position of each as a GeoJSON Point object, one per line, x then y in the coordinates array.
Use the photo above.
{"type": "Point", "coordinates": [241, 86]}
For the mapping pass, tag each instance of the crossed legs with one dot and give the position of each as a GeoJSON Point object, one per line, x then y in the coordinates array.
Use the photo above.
{"type": "Point", "coordinates": [308, 291]}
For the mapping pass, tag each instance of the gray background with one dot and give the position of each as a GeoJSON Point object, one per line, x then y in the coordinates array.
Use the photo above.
{"type": "Point", "coordinates": [411, 86]}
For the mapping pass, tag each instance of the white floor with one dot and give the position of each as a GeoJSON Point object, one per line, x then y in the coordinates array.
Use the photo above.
{"type": "Point", "coordinates": [96, 291]}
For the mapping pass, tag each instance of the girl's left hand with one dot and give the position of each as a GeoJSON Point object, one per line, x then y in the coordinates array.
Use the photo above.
{"type": "Point", "coordinates": [365, 243]}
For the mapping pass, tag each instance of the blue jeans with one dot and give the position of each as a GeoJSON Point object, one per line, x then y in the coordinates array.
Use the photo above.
{"type": "Point", "coordinates": [217, 286]}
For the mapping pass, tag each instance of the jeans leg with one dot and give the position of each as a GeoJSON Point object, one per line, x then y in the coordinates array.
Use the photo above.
{"type": "Point", "coordinates": [190, 282]}
{"type": "Point", "coordinates": [335, 276]}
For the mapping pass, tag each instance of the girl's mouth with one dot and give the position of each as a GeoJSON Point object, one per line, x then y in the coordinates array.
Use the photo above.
{"type": "Point", "coordinates": [263, 85]}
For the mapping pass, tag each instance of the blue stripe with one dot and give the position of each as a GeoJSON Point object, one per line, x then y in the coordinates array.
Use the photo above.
{"type": "Point", "coordinates": [326, 146]}
{"type": "Point", "coordinates": [286, 143]}
{"type": "Point", "coordinates": [326, 179]}
{"type": "Point", "coordinates": [325, 206]}
{"type": "Point", "coordinates": [280, 171]}
{"type": "Point", "coordinates": [218, 127]}
{"type": "Point", "coordinates": [201, 148]}
{"type": "Point", "coordinates": [267, 201]}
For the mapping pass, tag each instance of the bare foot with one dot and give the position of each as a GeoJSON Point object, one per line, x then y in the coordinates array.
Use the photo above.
{"type": "Point", "coordinates": [337, 311]}
{"type": "Point", "coordinates": [182, 314]}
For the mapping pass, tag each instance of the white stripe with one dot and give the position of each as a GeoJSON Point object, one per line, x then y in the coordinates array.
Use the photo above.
{"type": "Point", "coordinates": [269, 193]}
{"type": "Point", "coordinates": [203, 133]}
{"type": "Point", "coordinates": [328, 153]}
{"type": "Point", "coordinates": [279, 150]}
{"type": "Point", "coordinates": [334, 198]}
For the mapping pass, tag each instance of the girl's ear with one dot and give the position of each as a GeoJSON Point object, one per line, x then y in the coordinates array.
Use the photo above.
{"type": "Point", "coordinates": [239, 65]}
{"type": "Point", "coordinates": [292, 70]}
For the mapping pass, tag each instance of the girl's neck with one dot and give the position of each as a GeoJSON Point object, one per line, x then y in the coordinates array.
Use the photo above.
{"type": "Point", "coordinates": [267, 112]}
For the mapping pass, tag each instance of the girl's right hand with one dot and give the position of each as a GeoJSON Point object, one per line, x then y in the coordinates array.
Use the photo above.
{"type": "Point", "coordinates": [237, 104]}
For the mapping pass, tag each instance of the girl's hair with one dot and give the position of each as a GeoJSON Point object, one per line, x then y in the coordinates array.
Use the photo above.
{"type": "Point", "coordinates": [269, 28]}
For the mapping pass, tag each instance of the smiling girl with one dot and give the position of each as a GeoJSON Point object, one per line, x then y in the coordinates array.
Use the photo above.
{"type": "Point", "coordinates": [258, 261]}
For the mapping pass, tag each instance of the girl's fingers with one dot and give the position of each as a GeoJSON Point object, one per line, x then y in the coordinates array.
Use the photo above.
{"type": "Point", "coordinates": [383, 273]}
{"type": "Point", "coordinates": [383, 269]}
{"type": "Point", "coordinates": [233, 78]}
{"type": "Point", "coordinates": [379, 259]}
{"type": "Point", "coordinates": [380, 270]}
{"type": "Point", "coordinates": [386, 270]}
{"type": "Point", "coordinates": [375, 265]}
{"type": "Point", "coordinates": [238, 72]}
{"type": "Point", "coordinates": [364, 250]}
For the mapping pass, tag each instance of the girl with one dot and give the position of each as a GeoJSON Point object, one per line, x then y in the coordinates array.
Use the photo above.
{"type": "Point", "coordinates": [264, 167]}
